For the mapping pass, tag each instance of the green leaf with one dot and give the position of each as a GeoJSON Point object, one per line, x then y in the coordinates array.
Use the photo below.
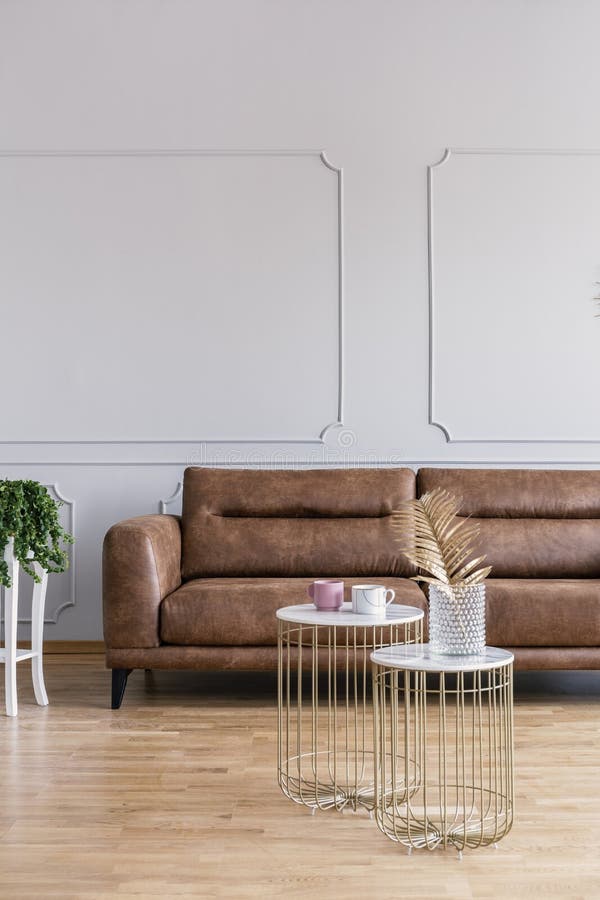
{"type": "Point", "coordinates": [30, 515]}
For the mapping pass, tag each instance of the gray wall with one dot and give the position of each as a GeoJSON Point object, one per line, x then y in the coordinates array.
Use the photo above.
{"type": "Point", "coordinates": [190, 305]}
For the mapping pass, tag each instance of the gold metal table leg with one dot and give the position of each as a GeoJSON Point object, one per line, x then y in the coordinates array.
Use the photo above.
{"type": "Point", "coordinates": [443, 756]}
{"type": "Point", "coordinates": [325, 751]}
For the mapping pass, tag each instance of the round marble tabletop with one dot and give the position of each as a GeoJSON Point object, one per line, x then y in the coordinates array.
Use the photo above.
{"type": "Point", "coordinates": [308, 614]}
{"type": "Point", "coordinates": [420, 658]}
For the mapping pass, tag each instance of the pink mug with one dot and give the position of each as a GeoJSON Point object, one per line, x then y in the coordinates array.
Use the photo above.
{"type": "Point", "coordinates": [327, 594]}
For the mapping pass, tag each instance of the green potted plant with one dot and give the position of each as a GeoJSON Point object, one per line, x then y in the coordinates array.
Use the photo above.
{"type": "Point", "coordinates": [441, 545]}
{"type": "Point", "coordinates": [29, 518]}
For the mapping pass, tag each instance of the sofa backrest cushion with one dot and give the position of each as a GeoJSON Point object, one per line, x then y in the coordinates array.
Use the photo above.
{"type": "Point", "coordinates": [534, 523]}
{"type": "Point", "coordinates": [293, 523]}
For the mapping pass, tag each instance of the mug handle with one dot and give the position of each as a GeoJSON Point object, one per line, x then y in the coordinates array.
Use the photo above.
{"type": "Point", "coordinates": [393, 593]}
{"type": "Point", "coordinates": [311, 591]}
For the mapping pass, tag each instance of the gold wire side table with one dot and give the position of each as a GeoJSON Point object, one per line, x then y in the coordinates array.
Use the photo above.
{"type": "Point", "coordinates": [443, 747]}
{"type": "Point", "coordinates": [325, 755]}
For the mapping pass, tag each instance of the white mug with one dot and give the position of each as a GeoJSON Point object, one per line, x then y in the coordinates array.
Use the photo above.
{"type": "Point", "coordinates": [371, 599]}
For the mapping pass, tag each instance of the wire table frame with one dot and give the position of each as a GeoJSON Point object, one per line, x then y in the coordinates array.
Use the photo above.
{"type": "Point", "coordinates": [325, 748]}
{"type": "Point", "coordinates": [443, 733]}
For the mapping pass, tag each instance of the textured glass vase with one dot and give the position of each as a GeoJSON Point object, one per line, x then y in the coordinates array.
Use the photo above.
{"type": "Point", "coordinates": [457, 619]}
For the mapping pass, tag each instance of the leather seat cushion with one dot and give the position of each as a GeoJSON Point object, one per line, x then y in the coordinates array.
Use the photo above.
{"type": "Point", "coordinates": [241, 611]}
{"type": "Point", "coordinates": [543, 612]}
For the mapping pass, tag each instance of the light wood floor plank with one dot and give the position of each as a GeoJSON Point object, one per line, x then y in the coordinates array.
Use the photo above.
{"type": "Point", "coordinates": [175, 795]}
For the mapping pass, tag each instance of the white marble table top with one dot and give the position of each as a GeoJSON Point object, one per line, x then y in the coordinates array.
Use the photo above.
{"type": "Point", "coordinates": [419, 658]}
{"type": "Point", "coordinates": [308, 614]}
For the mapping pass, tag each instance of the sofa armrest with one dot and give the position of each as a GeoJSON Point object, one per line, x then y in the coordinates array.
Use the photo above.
{"type": "Point", "coordinates": [141, 565]}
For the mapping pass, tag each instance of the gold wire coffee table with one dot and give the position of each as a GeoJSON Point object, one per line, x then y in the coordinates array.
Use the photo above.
{"type": "Point", "coordinates": [443, 746]}
{"type": "Point", "coordinates": [325, 755]}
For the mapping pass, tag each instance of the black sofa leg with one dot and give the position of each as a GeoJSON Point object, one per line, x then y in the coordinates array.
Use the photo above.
{"type": "Point", "coordinates": [119, 683]}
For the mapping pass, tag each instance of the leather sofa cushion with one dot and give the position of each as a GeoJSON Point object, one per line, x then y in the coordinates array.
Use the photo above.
{"type": "Point", "coordinates": [542, 612]}
{"type": "Point", "coordinates": [290, 524]}
{"type": "Point", "coordinates": [541, 548]}
{"type": "Point", "coordinates": [241, 611]}
{"type": "Point", "coordinates": [519, 493]}
{"type": "Point", "coordinates": [533, 524]}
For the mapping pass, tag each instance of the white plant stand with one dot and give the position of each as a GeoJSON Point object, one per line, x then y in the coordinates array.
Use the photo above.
{"type": "Point", "coordinates": [10, 654]}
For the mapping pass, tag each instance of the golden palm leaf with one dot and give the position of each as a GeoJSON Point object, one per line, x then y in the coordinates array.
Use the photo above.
{"type": "Point", "coordinates": [436, 541]}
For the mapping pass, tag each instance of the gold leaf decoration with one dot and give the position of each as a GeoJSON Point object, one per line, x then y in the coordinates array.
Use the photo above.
{"type": "Point", "coordinates": [436, 541]}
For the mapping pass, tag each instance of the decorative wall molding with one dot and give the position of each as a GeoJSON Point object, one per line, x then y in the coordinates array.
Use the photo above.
{"type": "Point", "coordinates": [163, 504]}
{"type": "Point", "coordinates": [311, 463]}
{"type": "Point", "coordinates": [433, 415]}
{"type": "Point", "coordinates": [215, 152]}
{"type": "Point", "coordinates": [338, 172]}
{"type": "Point", "coordinates": [51, 618]}
{"type": "Point", "coordinates": [395, 462]}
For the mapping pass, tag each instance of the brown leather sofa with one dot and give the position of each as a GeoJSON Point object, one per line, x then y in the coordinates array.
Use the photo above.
{"type": "Point", "coordinates": [540, 530]}
{"type": "Point", "coordinates": [201, 592]}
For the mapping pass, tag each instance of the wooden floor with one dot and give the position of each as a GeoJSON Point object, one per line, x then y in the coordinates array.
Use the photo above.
{"type": "Point", "coordinates": [175, 795]}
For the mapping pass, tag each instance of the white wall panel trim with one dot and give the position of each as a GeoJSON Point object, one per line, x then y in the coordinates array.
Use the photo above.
{"type": "Point", "coordinates": [432, 335]}
{"type": "Point", "coordinates": [163, 504]}
{"type": "Point", "coordinates": [434, 417]}
{"type": "Point", "coordinates": [53, 617]}
{"type": "Point", "coordinates": [317, 439]}
{"type": "Point", "coordinates": [391, 463]}
{"type": "Point", "coordinates": [339, 421]}
{"type": "Point", "coordinates": [482, 462]}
